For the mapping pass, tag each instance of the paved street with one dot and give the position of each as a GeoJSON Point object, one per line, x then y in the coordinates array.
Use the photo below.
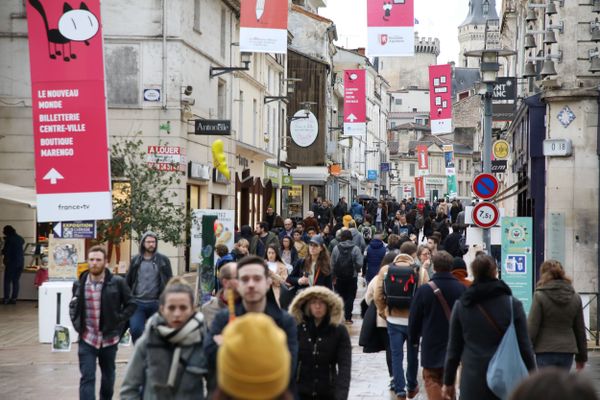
{"type": "Point", "coordinates": [29, 370]}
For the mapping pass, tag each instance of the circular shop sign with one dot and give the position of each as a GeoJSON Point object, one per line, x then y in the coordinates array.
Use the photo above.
{"type": "Point", "coordinates": [500, 149]}
{"type": "Point", "coordinates": [304, 130]}
{"type": "Point", "coordinates": [485, 214]}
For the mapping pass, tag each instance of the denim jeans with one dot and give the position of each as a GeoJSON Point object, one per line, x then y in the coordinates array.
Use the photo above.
{"type": "Point", "coordinates": [137, 322]}
{"type": "Point", "coordinates": [347, 288]}
{"type": "Point", "coordinates": [11, 278]}
{"type": "Point", "coordinates": [87, 366]}
{"type": "Point", "coordinates": [560, 360]}
{"type": "Point", "coordinates": [398, 335]}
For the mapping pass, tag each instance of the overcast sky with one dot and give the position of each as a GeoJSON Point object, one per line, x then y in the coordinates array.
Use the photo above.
{"type": "Point", "coordinates": [437, 18]}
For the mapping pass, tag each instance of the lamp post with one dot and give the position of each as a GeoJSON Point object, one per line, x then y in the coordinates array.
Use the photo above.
{"type": "Point", "coordinates": [489, 68]}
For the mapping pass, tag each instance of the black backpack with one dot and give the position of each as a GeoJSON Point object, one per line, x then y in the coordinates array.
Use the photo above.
{"type": "Point", "coordinates": [344, 265]}
{"type": "Point", "coordinates": [399, 285]}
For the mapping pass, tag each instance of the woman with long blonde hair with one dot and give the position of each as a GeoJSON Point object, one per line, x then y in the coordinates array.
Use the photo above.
{"type": "Point", "coordinates": [555, 320]}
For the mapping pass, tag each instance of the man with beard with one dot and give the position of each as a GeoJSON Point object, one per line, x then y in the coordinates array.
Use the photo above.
{"type": "Point", "coordinates": [148, 275]}
{"type": "Point", "coordinates": [253, 285]}
{"type": "Point", "coordinates": [99, 309]}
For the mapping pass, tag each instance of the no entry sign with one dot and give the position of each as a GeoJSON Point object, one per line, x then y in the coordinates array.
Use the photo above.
{"type": "Point", "coordinates": [485, 214]}
{"type": "Point", "coordinates": [485, 186]}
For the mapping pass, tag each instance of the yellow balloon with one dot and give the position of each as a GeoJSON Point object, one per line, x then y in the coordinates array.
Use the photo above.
{"type": "Point", "coordinates": [220, 158]}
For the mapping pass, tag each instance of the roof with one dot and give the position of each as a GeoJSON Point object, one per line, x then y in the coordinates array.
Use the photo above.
{"type": "Point", "coordinates": [411, 126]}
{"type": "Point", "coordinates": [476, 16]}
{"type": "Point", "coordinates": [318, 17]}
{"type": "Point", "coordinates": [464, 79]}
{"type": "Point", "coordinates": [428, 141]}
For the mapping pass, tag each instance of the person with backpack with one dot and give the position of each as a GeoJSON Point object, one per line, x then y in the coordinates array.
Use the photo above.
{"type": "Point", "coordinates": [393, 294]}
{"type": "Point", "coordinates": [477, 326]}
{"type": "Point", "coordinates": [367, 230]}
{"type": "Point", "coordinates": [429, 321]}
{"type": "Point", "coordinates": [347, 260]}
{"type": "Point", "coordinates": [375, 253]}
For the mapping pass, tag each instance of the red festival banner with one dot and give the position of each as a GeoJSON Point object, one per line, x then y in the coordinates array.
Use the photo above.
{"type": "Point", "coordinates": [440, 97]}
{"type": "Point", "coordinates": [419, 187]}
{"type": "Point", "coordinates": [355, 102]}
{"type": "Point", "coordinates": [263, 26]}
{"type": "Point", "coordinates": [390, 28]}
{"type": "Point", "coordinates": [72, 174]}
{"type": "Point", "coordinates": [422, 157]}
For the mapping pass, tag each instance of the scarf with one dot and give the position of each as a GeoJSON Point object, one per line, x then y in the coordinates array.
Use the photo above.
{"type": "Point", "coordinates": [483, 289]}
{"type": "Point", "coordinates": [190, 333]}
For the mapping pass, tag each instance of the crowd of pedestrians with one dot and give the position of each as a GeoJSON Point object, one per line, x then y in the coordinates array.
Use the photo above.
{"type": "Point", "coordinates": [276, 326]}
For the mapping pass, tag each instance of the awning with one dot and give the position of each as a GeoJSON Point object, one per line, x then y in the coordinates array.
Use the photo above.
{"type": "Point", "coordinates": [18, 194]}
{"type": "Point", "coordinates": [309, 175]}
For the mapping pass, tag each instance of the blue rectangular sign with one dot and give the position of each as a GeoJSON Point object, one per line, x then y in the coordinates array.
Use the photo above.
{"type": "Point", "coordinates": [372, 174]}
{"type": "Point", "coordinates": [384, 167]}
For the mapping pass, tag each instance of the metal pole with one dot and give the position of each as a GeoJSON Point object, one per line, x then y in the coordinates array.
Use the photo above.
{"type": "Point", "coordinates": [487, 152]}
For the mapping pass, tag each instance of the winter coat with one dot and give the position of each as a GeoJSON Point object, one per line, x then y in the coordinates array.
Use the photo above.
{"type": "Point", "coordinates": [452, 245]}
{"type": "Point", "coordinates": [298, 272]}
{"type": "Point", "coordinates": [325, 352]}
{"type": "Point", "coordinates": [258, 245]}
{"type": "Point", "coordinates": [356, 209]}
{"type": "Point", "coordinates": [473, 340]}
{"type": "Point", "coordinates": [14, 256]}
{"type": "Point", "coordinates": [159, 260]}
{"type": "Point", "coordinates": [116, 304]}
{"type": "Point", "coordinates": [356, 254]}
{"type": "Point", "coordinates": [152, 359]}
{"type": "Point", "coordinates": [375, 253]}
{"type": "Point", "coordinates": [556, 320]}
{"type": "Point", "coordinates": [358, 239]}
{"type": "Point", "coordinates": [428, 321]}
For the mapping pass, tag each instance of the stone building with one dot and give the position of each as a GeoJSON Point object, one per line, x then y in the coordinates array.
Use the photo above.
{"type": "Point", "coordinates": [472, 32]}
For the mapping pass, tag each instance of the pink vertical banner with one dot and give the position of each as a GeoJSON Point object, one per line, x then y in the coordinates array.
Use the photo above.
{"type": "Point", "coordinates": [440, 97]}
{"type": "Point", "coordinates": [422, 157]}
{"type": "Point", "coordinates": [355, 102]}
{"type": "Point", "coordinates": [263, 26]}
{"type": "Point", "coordinates": [419, 187]}
{"type": "Point", "coordinates": [390, 28]}
{"type": "Point", "coordinates": [70, 137]}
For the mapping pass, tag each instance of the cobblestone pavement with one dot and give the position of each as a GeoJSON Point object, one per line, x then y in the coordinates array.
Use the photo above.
{"type": "Point", "coordinates": [29, 370]}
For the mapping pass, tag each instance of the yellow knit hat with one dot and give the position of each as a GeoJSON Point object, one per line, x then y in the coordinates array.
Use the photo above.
{"type": "Point", "coordinates": [346, 220]}
{"type": "Point", "coordinates": [254, 361]}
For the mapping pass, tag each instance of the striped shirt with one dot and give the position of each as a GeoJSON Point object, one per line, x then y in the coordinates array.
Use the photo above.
{"type": "Point", "coordinates": [92, 334]}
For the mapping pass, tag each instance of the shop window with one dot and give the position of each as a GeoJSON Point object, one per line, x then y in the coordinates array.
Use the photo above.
{"type": "Point", "coordinates": [412, 169]}
{"type": "Point", "coordinates": [294, 201]}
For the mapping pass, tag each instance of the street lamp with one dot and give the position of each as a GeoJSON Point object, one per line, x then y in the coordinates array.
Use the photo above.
{"type": "Point", "coordinates": [489, 73]}
{"type": "Point", "coordinates": [246, 58]}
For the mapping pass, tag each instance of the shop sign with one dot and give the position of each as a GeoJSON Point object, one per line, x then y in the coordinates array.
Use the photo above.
{"type": "Point", "coordinates": [384, 167]}
{"type": "Point", "coordinates": [517, 257]}
{"type": "Point", "coordinates": [198, 171]}
{"type": "Point", "coordinates": [212, 127]}
{"type": "Point", "coordinates": [335, 169]}
{"type": "Point", "coordinates": [304, 128]}
{"type": "Point", "coordinates": [499, 166]}
{"type": "Point", "coordinates": [151, 94]}
{"type": "Point", "coordinates": [69, 112]}
{"type": "Point", "coordinates": [272, 173]}
{"type": "Point", "coordinates": [166, 158]}
{"type": "Point", "coordinates": [434, 181]}
{"type": "Point", "coordinates": [75, 230]}
{"type": "Point", "coordinates": [504, 94]}
{"type": "Point", "coordinates": [287, 181]}
{"type": "Point", "coordinates": [372, 175]}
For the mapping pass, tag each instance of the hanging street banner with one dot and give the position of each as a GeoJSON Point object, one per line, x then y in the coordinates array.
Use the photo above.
{"type": "Point", "coordinates": [69, 111]}
{"type": "Point", "coordinates": [517, 257]}
{"type": "Point", "coordinates": [451, 185]}
{"type": "Point", "coordinates": [422, 157]}
{"type": "Point", "coordinates": [263, 26]}
{"type": "Point", "coordinates": [420, 187]}
{"type": "Point", "coordinates": [390, 28]}
{"type": "Point", "coordinates": [355, 102]}
{"type": "Point", "coordinates": [449, 159]}
{"type": "Point", "coordinates": [440, 98]}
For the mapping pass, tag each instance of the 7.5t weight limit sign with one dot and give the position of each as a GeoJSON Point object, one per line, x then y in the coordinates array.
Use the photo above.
{"type": "Point", "coordinates": [485, 214]}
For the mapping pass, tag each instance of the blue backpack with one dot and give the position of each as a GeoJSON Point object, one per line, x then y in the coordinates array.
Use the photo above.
{"type": "Point", "coordinates": [506, 368]}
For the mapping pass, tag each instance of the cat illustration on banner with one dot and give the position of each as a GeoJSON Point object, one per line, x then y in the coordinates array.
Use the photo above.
{"type": "Point", "coordinates": [75, 25]}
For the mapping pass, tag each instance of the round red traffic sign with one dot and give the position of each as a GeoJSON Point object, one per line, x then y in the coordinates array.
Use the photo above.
{"type": "Point", "coordinates": [485, 214]}
{"type": "Point", "coordinates": [485, 186]}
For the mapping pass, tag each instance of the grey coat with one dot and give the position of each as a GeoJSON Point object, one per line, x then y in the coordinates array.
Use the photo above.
{"type": "Point", "coordinates": [150, 364]}
{"type": "Point", "coordinates": [556, 320]}
{"type": "Point", "coordinates": [473, 340]}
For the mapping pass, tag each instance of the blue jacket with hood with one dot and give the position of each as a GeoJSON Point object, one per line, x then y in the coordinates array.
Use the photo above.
{"type": "Point", "coordinates": [375, 253]}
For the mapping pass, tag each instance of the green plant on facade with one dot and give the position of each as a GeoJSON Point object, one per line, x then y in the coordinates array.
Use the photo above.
{"type": "Point", "coordinates": [143, 197]}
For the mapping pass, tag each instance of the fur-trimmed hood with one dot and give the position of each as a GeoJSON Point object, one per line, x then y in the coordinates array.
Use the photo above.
{"type": "Point", "coordinates": [335, 305]}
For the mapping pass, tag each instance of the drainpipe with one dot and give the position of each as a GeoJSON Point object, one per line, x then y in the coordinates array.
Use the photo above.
{"type": "Point", "coordinates": [164, 54]}
{"type": "Point", "coordinates": [598, 240]}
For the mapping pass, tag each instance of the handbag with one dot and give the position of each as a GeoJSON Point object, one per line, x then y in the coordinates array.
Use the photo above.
{"type": "Point", "coordinates": [506, 368]}
{"type": "Point", "coordinates": [369, 338]}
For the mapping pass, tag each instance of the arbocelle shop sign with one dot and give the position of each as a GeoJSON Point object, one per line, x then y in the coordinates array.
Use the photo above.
{"type": "Point", "coordinates": [212, 127]}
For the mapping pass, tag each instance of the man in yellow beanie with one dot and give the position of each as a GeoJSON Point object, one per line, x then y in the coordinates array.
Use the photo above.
{"type": "Point", "coordinates": [253, 285]}
{"type": "Point", "coordinates": [253, 363]}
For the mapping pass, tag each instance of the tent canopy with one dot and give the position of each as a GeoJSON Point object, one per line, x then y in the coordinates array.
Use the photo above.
{"type": "Point", "coordinates": [18, 194]}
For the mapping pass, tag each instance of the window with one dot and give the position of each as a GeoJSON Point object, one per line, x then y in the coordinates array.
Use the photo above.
{"type": "Point", "coordinates": [122, 74]}
{"type": "Point", "coordinates": [412, 169]}
{"type": "Point", "coordinates": [197, 15]}
{"type": "Point", "coordinates": [414, 110]}
{"type": "Point", "coordinates": [468, 167]}
{"type": "Point", "coordinates": [222, 100]}
{"type": "Point", "coordinates": [223, 32]}
{"type": "Point", "coordinates": [393, 124]}
{"type": "Point", "coordinates": [398, 101]}
{"type": "Point", "coordinates": [460, 164]}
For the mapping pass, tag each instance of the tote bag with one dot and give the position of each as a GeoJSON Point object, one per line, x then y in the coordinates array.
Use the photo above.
{"type": "Point", "coordinates": [506, 368]}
